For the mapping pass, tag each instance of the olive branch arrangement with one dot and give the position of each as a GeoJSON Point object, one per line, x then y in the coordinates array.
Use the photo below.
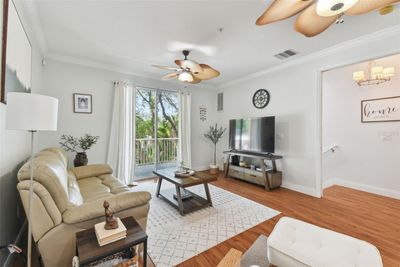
{"type": "Point", "coordinates": [74, 144]}
{"type": "Point", "coordinates": [214, 134]}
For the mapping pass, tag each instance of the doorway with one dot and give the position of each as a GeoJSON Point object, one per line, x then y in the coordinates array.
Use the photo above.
{"type": "Point", "coordinates": [156, 131]}
{"type": "Point", "coordinates": [359, 150]}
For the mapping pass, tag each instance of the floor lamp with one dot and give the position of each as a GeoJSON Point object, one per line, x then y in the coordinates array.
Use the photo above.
{"type": "Point", "coordinates": [32, 113]}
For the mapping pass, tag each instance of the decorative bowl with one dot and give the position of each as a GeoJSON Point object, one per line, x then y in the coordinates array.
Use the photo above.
{"type": "Point", "coordinates": [184, 174]}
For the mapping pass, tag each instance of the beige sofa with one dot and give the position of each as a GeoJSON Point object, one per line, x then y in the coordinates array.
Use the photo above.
{"type": "Point", "coordinates": [69, 200]}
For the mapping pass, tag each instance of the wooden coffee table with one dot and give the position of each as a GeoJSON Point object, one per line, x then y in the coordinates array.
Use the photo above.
{"type": "Point", "coordinates": [88, 249]}
{"type": "Point", "coordinates": [181, 198]}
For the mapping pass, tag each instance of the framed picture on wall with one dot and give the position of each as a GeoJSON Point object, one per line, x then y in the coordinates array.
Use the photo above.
{"type": "Point", "coordinates": [380, 109]}
{"type": "Point", "coordinates": [82, 103]}
{"type": "Point", "coordinates": [16, 58]}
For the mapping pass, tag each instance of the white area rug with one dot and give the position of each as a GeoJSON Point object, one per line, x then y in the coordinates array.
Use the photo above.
{"type": "Point", "coordinates": [174, 238]}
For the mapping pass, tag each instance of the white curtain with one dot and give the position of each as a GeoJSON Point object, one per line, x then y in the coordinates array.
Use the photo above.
{"type": "Point", "coordinates": [184, 129]}
{"type": "Point", "coordinates": [121, 148]}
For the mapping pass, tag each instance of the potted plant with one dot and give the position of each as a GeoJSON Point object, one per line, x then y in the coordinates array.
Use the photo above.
{"type": "Point", "coordinates": [214, 134]}
{"type": "Point", "coordinates": [79, 146]}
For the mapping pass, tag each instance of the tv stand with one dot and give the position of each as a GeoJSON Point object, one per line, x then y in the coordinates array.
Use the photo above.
{"type": "Point", "coordinates": [270, 179]}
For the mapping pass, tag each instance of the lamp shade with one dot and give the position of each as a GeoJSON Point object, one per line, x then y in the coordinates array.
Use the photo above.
{"type": "Point", "coordinates": [388, 72]}
{"type": "Point", "coordinates": [31, 112]}
{"type": "Point", "coordinates": [358, 75]}
{"type": "Point", "coordinates": [376, 72]}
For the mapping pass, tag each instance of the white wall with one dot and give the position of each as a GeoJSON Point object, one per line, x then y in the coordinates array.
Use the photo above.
{"type": "Point", "coordinates": [202, 149]}
{"type": "Point", "coordinates": [368, 155]}
{"type": "Point", "coordinates": [14, 150]}
{"type": "Point", "coordinates": [293, 106]}
{"type": "Point", "coordinates": [295, 101]}
{"type": "Point", "coordinates": [62, 79]}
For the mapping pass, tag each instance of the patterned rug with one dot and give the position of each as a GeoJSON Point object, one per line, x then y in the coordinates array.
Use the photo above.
{"type": "Point", "coordinates": [174, 238]}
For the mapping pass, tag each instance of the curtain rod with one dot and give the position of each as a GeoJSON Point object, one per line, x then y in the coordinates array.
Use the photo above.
{"type": "Point", "coordinates": [148, 87]}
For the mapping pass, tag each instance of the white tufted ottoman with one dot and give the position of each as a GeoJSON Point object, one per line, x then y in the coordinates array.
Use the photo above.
{"type": "Point", "coordinates": [296, 243]}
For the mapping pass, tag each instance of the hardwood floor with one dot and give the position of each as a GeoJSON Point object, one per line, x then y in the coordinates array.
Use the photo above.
{"type": "Point", "coordinates": [369, 217]}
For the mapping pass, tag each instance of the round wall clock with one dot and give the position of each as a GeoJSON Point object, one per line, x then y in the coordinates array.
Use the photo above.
{"type": "Point", "coordinates": [261, 98]}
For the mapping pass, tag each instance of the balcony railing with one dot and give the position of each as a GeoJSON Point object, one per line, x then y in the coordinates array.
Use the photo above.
{"type": "Point", "coordinates": [145, 150]}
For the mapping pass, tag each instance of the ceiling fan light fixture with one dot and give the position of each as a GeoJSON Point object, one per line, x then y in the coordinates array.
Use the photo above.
{"type": "Point", "coordinates": [328, 8]}
{"type": "Point", "coordinates": [185, 77]}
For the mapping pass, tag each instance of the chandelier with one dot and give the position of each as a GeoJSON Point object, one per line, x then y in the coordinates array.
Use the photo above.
{"type": "Point", "coordinates": [373, 74]}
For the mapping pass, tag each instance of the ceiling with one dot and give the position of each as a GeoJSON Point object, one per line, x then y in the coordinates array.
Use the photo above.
{"type": "Point", "coordinates": [133, 35]}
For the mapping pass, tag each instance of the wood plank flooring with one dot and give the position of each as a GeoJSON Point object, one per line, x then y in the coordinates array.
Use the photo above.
{"type": "Point", "coordinates": [369, 217]}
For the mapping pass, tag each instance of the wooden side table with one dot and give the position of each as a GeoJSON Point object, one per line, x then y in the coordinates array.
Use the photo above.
{"type": "Point", "coordinates": [88, 249]}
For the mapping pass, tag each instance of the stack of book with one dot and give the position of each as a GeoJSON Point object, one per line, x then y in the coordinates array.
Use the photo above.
{"type": "Point", "coordinates": [105, 237]}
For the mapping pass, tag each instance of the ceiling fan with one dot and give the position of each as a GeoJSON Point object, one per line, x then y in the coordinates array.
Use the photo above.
{"type": "Point", "coordinates": [189, 71]}
{"type": "Point", "coordinates": [317, 15]}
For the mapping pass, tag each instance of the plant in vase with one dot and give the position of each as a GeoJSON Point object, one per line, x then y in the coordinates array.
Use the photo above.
{"type": "Point", "coordinates": [214, 134]}
{"type": "Point", "coordinates": [79, 146]}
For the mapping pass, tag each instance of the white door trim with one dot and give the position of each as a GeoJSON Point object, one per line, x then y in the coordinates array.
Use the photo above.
{"type": "Point", "coordinates": [319, 108]}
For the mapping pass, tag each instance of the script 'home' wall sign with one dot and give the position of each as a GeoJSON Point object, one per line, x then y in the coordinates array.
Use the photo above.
{"type": "Point", "coordinates": [380, 109]}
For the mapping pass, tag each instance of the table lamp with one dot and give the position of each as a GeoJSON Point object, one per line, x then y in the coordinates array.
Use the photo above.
{"type": "Point", "coordinates": [32, 113]}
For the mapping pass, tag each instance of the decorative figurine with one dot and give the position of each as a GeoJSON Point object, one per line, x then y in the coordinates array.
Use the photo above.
{"type": "Point", "coordinates": [111, 220]}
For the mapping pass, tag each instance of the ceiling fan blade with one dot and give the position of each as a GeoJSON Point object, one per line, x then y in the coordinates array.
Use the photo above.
{"type": "Point", "coordinates": [193, 66]}
{"type": "Point", "coordinates": [310, 24]}
{"type": "Point", "coordinates": [365, 6]}
{"type": "Point", "coordinates": [195, 80]}
{"type": "Point", "coordinates": [282, 9]}
{"type": "Point", "coordinates": [167, 68]}
{"type": "Point", "coordinates": [170, 76]}
{"type": "Point", "coordinates": [207, 73]}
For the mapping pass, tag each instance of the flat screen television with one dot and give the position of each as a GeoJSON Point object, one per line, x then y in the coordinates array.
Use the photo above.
{"type": "Point", "coordinates": [252, 135]}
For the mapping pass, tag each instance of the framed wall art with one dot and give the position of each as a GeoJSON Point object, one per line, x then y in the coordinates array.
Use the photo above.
{"type": "Point", "coordinates": [16, 60]}
{"type": "Point", "coordinates": [203, 113]}
{"type": "Point", "coordinates": [82, 103]}
{"type": "Point", "coordinates": [380, 109]}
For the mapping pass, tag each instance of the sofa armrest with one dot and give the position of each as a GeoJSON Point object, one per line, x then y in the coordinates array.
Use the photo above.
{"type": "Point", "coordinates": [92, 170]}
{"type": "Point", "coordinates": [94, 209]}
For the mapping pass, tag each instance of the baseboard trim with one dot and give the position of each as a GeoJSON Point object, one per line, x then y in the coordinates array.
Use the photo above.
{"type": "Point", "coordinates": [18, 242]}
{"type": "Point", "coordinates": [363, 187]}
{"type": "Point", "coordinates": [300, 188]}
{"type": "Point", "coordinates": [295, 187]}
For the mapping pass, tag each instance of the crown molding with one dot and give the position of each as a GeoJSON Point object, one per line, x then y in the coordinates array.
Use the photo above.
{"type": "Point", "coordinates": [117, 69]}
{"type": "Point", "coordinates": [30, 13]}
{"type": "Point", "coordinates": [388, 32]}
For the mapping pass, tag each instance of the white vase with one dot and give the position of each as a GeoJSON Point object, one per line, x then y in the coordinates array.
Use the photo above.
{"type": "Point", "coordinates": [214, 169]}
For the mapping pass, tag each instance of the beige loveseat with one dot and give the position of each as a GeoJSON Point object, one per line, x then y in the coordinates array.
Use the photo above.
{"type": "Point", "coordinates": [69, 200]}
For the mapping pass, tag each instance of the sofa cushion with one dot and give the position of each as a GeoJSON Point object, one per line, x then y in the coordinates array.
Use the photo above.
{"type": "Point", "coordinates": [114, 184]}
{"type": "Point", "coordinates": [101, 186]}
{"type": "Point", "coordinates": [44, 211]}
{"type": "Point", "coordinates": [74, 193]}
{"type": "Point", "coordinates": [58, 152]}
{"type": "Point", "coordinates": [50, 171]}
{"type": "Point", "coordinates": [93, 188]}
{"type": "Point", "coordinates": [305, 244]}
{"type": "Point", "coordinates": [91, 170]}
{"type": "Point", "coordinates": [94, 208]}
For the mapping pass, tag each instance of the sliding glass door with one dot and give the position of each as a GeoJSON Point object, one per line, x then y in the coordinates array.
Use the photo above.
{"type": "Point", "coordinates": [157, 135]}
